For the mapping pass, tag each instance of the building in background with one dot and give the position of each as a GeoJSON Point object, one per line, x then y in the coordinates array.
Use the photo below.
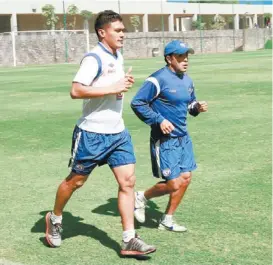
{"type": "Point", "coordinates": [164, 15]}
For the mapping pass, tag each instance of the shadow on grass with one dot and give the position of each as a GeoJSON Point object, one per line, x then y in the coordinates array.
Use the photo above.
{"type": "Point", "coordinates": [152, 212]}
{"type": "Point", "coordinates": [73, 226]}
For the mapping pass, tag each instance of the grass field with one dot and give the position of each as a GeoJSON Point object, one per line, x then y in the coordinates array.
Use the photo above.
{"type": "Point", "coordinates": [227, 208]}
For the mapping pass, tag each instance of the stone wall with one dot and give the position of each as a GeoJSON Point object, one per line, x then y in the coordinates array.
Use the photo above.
{"type": "Point", "coordinates": [48, 48]}
{"type": "Point", "coordinates": [6, 56]}
{"type": "Point", "coordinates": [255, 39]}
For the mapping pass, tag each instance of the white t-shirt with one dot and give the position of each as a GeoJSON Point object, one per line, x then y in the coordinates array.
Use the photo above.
{"type": "Point", "coordinates": [101, 114]}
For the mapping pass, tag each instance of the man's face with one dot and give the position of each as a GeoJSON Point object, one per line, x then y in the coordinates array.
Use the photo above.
{"type": "Point", "coordinates": [178, 62]}
{"type": "Point", "coordinates": [112, 34]}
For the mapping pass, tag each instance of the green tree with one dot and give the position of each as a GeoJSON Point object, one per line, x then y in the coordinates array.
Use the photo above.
{"type": "Point", "coordinates": [218, 22]}
{"type": "Point", "coordinates": [72, 12]}
{"type": "Point", "coordinates": [267, 19]}
{"type": "Point", "coordinates": [135, 21]}
{"type": "Point", "coordinates": [198, 24]}
{"type": "Point", "coordinates": [48, 11]}
{"type": "Point", "coordinates": [87, 15]}
{"type": "Point", "coordinates": [268, 15]}
{"type": "Point", "coordinates": [230, 22]}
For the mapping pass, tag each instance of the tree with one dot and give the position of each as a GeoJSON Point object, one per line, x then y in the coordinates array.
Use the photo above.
{"type": "Point", "coordinates": [198, 24]}
{"type": "Point", "coordinates": [48, 11]}
{"type": "Point", "coordinates": [72, 12]}
{"type": "Point", "coordinates": [135, 21]}
{"type": "Point", "coordinates": [267, 15]}
{"type": "Point", "coordinates": [87, 15]}
{"type": "Point", "coordinates": [267, 19]}
{"type": "Point", "coordinates": [218, 22]}
{"type": "Point", "coordinates": [230, 22]}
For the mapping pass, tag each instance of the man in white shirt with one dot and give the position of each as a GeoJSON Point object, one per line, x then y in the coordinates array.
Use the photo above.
{"type": "Point", "coordinates": [100, 136]}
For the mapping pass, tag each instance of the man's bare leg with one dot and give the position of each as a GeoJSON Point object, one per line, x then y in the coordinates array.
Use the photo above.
{"type": "Point", "coordinates": [54, 219]}
{"type": "Point", "coordinates": [132, 244]}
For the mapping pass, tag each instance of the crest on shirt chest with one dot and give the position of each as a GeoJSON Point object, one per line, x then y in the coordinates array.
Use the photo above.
{"type": "Point", "coordinates": [111, 68]}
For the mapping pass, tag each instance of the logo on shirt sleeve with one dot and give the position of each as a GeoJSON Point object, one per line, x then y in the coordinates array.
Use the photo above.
{"type": "Point", "coordinates": [190, 89]}
{"type": "Point", "coordinates": [166, 172]}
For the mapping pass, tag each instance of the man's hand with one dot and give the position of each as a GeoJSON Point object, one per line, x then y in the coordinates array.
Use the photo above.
{"type": "Point", "coordinates": [166, 127]}
{"type": "Point", "coordinates": [123, 84]}
{"type": "Point", "coordinates": [129, 76]}
{"type": "Point", "coordinates": [202, 106]}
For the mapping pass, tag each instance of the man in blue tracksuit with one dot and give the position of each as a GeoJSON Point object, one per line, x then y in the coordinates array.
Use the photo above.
{"type": "Point", "coordinates": [163, 102]}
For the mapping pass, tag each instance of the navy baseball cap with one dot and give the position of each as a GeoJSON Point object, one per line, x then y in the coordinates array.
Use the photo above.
{"type": "Point", "coordinates": [177, 47]}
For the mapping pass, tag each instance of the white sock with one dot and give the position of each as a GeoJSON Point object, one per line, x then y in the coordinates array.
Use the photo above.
{"type": "Point", "coordinates": [56, 219]}
{"type": "Point", "coordinates": [128, 235]}
{"type": "Point", "coordinates": [140, 195]}
{"type": "Point", "coordinates": [167, 218]}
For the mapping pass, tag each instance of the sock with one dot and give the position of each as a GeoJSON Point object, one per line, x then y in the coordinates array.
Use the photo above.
{"type": "Point", "coordinates": [167, 218]}
{"type": "Point", "coordinates": [140, 195]}
{"type": "Point", "coordinates": [56, 219]}
{"type": "Point", "coordinates": [128, 235]}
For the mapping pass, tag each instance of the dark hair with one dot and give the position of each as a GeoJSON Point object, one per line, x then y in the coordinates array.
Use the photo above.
{"type": "Point", "coordinates": [105, 17]}
{"type": "Point", "coordinates": [166, 59]}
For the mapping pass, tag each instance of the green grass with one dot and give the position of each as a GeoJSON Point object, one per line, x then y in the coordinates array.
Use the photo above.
{"type": "Point", "coordinates": [227, 207]}
{"type": "Point", "coordinates": [268, 45]}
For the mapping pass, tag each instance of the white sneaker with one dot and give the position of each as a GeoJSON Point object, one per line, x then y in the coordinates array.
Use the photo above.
{"type": "Point", "coordinates": [53, 232]}
{"type": "Point", "coordinates": [136, 247]}
{"type": "Point", "coordinates": [171, 226]}
{"type": "Point", "coordinates": [140, 204]}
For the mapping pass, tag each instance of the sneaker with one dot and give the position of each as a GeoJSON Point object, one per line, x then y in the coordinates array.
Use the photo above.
{"type": "Point", "coordinates": [171, 226]}
{"type": "Point", "coordinates": [140, 205]}
{"type": "Point", "coordinates": [136, 247]}
{"type": "Point", "coordinates": [53, 232]}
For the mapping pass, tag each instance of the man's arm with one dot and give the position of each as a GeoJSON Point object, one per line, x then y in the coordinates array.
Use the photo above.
{"type": "Point", "coordinates": [195, 107]}
{"type": "Point", "coordinates": [82, 84]}
{"type": "Point", "coordinates": [141, 104]}
{"type": "Point", "coordinates": [81, 91]}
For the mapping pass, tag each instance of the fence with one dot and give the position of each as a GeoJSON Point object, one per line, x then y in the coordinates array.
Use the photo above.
{"type": "Point", "coordinates": [42, 47]}
{"type": "Point", "coordinates": [47, 47]}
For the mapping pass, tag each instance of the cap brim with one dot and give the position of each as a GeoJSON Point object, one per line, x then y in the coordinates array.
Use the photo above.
{"type": "Point", "coordinates": [191, 51]}
{"type": "Point", "coordinates": [188, 50]}
{"type": "Point", "coordinates": [183, 51]}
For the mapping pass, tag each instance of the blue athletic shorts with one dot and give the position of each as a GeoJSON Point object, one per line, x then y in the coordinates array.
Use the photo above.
{"type": "Point", "coordinates": [171, 156]}
{"type": "Point", "coordinates": [91, 149]}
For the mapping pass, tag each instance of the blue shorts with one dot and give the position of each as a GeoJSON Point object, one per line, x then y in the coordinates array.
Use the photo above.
{"type": "Point", "coordinates": [172, 156]}
{"type": "Point", "coordinates": [91, 149]}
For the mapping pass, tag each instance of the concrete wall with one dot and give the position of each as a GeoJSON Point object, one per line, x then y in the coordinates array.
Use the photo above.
{"type": "Point", "coordinates": [255, 39]}
{"type": "Point", "coordinates": [6, 56]}
{"type": "Point", "coordinates": [47, 48]}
